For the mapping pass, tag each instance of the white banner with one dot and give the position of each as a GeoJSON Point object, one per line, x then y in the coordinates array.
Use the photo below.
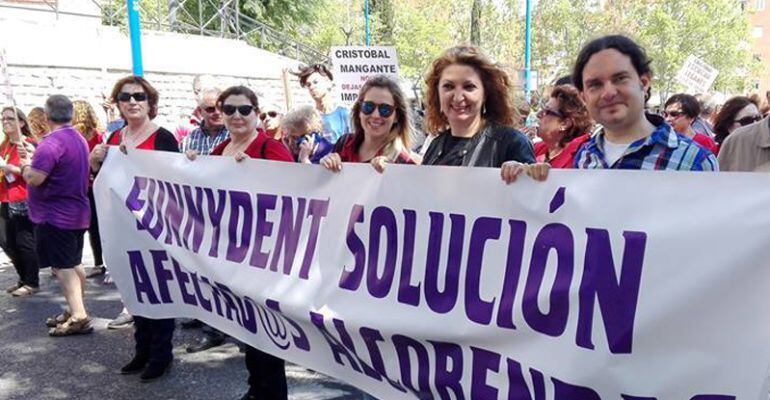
{"type": "Point", "coordinates": [696, 75]}
{"type": "Point", "coordinates": [352, 66]}
{"type": "Point", "coordinates": [440, 282]}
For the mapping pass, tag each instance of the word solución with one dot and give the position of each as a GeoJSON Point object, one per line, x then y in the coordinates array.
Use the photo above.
{"type": "Point", "coordinates": [448, 285]}
{"type": "Point", "coordinates": [184, 215]}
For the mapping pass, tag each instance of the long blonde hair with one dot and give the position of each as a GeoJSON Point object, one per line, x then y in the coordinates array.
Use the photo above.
{"type": "Point", "coordinates": [400, 135]}
{"type": "Point", "coordinates": [84, 118]}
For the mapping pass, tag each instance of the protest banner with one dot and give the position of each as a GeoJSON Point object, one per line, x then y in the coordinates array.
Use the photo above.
{"type": "Point", "coordinates": [440, 282]}
{"type": "Point", "coordinates": [352, 66]}
{"type": "Point", "coordinates": [696, 75]}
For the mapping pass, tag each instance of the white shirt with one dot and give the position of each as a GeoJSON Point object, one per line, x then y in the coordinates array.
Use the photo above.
{"type": "Point", "coordinates": [613, 151]}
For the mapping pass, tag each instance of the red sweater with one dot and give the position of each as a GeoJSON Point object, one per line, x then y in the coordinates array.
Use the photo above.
{"type": "Point", "coordinates": [262, 147]}
{"type": "Point", "coordinates": [16, 190]}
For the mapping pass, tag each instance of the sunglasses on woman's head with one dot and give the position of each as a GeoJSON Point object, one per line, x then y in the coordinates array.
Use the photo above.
{"type": "Point", "coordinates": [385, 110]}
{"type": "Point", "coordinates": [271, 114]}
{"type": "Point", "coordinates": [243, 110]}
{"type": "Point", "coordinates": [748, 120]}
{"type": "Point", "coordinates": [126, 97]}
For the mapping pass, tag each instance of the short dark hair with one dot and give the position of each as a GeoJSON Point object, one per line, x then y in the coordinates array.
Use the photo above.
{"type": "Point", "coordinates": [58, 109]}
{"type": "Point", "coordinates": [24, 128]}
{"type": "Point", "coordinates": [239, 91]}
{"type": "Point", "coordinates": [689, 104]}
{"type": "Point", "coordinates": [564, 80]}
{"type": "Point", "coordinates": [152, 94]}
{"type": "Point", "coordinates": [308, 70]}
{"type": "Point", "coordinates": [621, 43]}
{"type": "Point", "coordinates": [726, 116]}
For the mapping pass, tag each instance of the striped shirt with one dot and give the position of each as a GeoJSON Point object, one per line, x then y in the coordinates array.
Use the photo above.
{"type": "Point", "coordinates": [202, 142]}
{"type": "Point", "coordinates": [664, 149]}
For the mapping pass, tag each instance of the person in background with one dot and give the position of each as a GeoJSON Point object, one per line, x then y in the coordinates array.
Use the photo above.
{"type": "Point", "coordinates": [137, 102]}
{"type": "Point", "coordinates": [239, 104]}
{"type": "Point", "coordinates": [189, 122]}
{"type": "Point", "coordinates": [469, 108]}
{"type": "Point", "coordinates": [702, 124]}
{"type": "Point", "coordinates": [84, 121]}
{"type": "Point", "coordinates": [38, 126]}
{"type": "Point", "coordinates": [15, 226]}
{"type": "Point", "coordinates": [211, 130]}
{"type": "Point", "coordinates": [270, 118]}
{"type": "Point", "coordinates": [681, 111]}
{"type": "Point", "coordinates": [56, 173]}
{"type": "Point", "coordinates": [564, 127]}
{"type": "Point", "coordinates": [319, 82]}
{"type": "Point", "coordinates": [381, 128]}
{"type": "Point", "coordinates": [747, 149]}
{"type": "Point", "coordinates": [302, 129]}
{"type": "Point", "coordinates": [736, 112]}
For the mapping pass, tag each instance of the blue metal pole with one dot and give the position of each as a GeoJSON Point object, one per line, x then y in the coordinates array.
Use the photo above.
{"type": "Point", "coordinates": [366, 17]}
{"type": "Point", "coordinates": [136, 36]}
{"type": "Point", "coordinates": [528, 51]}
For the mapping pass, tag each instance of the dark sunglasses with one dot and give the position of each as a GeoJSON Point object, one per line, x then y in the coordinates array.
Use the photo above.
{"type": "Point", "coordinates": [271, 114]}
{"type": "Point", "coordinates": [672, 114]}
{"type": "Point", "coordinates": [210, 110]}
{"type": "Point", "coordinates": [243, 110]}
{"type": "Point", "coordinates": [385, 110]}
{"type": "Point", "coordinates": [126, 97]}
{"type": "Point", "coordinates": [748, 120]}
{"type": "Point", "coordinates": [550, 112]}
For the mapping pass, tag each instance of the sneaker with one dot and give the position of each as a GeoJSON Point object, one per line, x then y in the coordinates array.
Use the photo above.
{"type": "Point", "coordinates": [205, 344]}
{"type": "Point", "coordinates": [96, 271]}
{"type": "Point", "coordinates": [123, 320]}
{"type": "Point", "coordinates": [25, 291]}
{"type": "Point", "coordinates": [107, 279]}
{"type": "Point", "coordinates": [13, 288]}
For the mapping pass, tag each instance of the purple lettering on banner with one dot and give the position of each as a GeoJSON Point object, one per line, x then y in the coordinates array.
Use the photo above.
{"type": "Point", "coordinates": [216, 208]}
{"type": "Point", "coordinates": [182, 279]}
{"type": "Point", "coordinates": [203, 301]}
{"type": "Point", "coordinates": [557, 237]}
{"type": "Point", "coordinates": [517, 386]}
{"type": "Point", "coordinates": [317, 211]}
{"type": "Point", "coordinates": [160, 200]}
{"type": "Point", "coordinates": [133, 202]}
{"type": "Point", "coordinates": [230, 306]}
{"type": "Point", "coordinates": [149, 213]}
{"type": "Point", "coordinates": [174, 212]}
{"type": "Point", "coordinates": [403, 344]}
{"type": "Point", "coordinates": [447, 378]}
{"type": "Point", "coordinates": [712, 397]}
{"type": "Point", "coordinates": [142, 283]}
{"type": "Point", "coordinates": [408, 293]}
{"type": "Point", "coordinates": [289, 230]}
{"type": "Point", "coordinates": [263, 228]}
{"type": "Point", "coordinates": [351, 280]}
{"type": "Point", "coordinates": [617, 298]}
{"type": "Point", "coordinates": [214, 296]}
{"type": "Point", "coordinates": [371, 337]}
{"type": "Point", "coordinates": [249, 314]}
{"type": "Point", "coordinates": [443, 301]}
{"type": "Point", "coordinates": [300, 337]}
{"type": "Point", "coordinates": [348, 343]}
{"type": "Point", "coordinates": [382, 217]}
{"type": "Point", "coordinates": [194, 224]}
{"type": "Point", "coordinates": [567, 391]}
{"type": "Point", "coordinates": [337, 349]}
{"type": "Point", "coordinates": [628, 397]}
{"type": "Point", "coordinates": [241, 211]}
{"type": "Point", "coordinates": [512, 273]}
{"type": "Point", "coordinates": [163, 275]}
{"type": "Point", "coordinates": [483, 361]}
{"type": "Point", "coordinates": [477, 309]}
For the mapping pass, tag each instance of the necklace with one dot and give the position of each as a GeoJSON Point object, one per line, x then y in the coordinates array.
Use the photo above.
{"type": "Point", "coordinates": [134, 139]}
{"type": "Point", "coordinates": [234, 148]}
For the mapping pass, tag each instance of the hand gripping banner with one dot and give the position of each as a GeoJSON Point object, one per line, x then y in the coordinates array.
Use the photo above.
{"type": "Point", "coordinates": [446, 283]}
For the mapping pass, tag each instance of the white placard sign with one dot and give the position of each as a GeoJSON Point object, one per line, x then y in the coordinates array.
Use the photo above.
{"type": "Point", "coordinates": [445, 283]}
{"type": "Point", "coordinates": [696, 75]}
{"type": "Point", "coordinates": [353, 65]}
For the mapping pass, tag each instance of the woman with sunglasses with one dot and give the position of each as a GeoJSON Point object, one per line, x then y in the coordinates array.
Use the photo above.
{"type": "Point", "coordinates": [736, 112]}
{"type": "Point", "coordinates": [17, 229]}
{"type": "Point", "coordinates": [469, 108]}
{"type": "Point", "coordinates": [564, 125]}
{"type": "Point", "coordinates": [137, 103]}
{"type": "Point", "coordinates": [381, 128]}
{"type": "Point", "coordinates": [239, 104]}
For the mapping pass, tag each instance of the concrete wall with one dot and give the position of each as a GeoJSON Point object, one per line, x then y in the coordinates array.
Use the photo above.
{"type": "Point", "coordinates": [78, 57]}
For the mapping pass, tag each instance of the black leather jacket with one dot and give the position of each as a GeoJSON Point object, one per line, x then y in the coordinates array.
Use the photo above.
{"type": "Point", "coordinates": [493, 146]}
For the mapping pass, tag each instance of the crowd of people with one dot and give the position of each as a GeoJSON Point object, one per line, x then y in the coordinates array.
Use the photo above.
{"type": "Point", "coordinates": [596, 118]}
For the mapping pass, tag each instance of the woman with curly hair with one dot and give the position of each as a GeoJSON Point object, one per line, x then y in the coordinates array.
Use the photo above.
{"type": "Point", "coordinates": [85, 121]}
{"type": "Point", "coordinates": [564, 125]}
{"type": "Point", "coordinates": [38, 126]}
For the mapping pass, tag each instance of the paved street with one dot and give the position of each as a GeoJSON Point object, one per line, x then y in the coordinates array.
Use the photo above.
{"type": "Point", "coordinates": [35, 366]}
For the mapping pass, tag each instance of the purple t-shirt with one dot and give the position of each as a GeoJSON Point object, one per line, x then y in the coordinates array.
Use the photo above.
{"type": "Point", "coordinates": [62, 199]}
